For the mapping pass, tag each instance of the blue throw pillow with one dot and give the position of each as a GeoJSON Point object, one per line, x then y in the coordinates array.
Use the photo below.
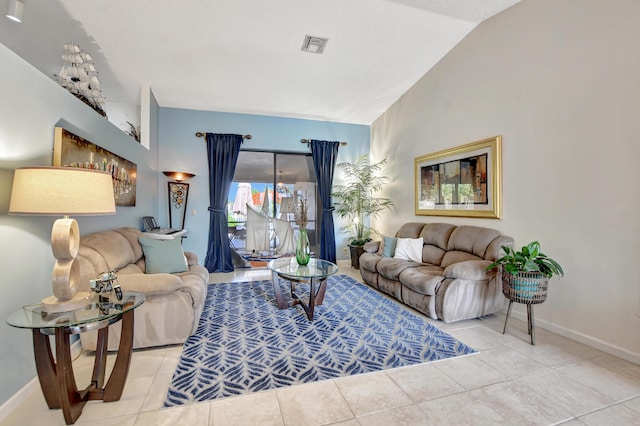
{"type": "Point", "coordinates": [163, 255]}
{"type": "Point", "coordinates": [389, 246]}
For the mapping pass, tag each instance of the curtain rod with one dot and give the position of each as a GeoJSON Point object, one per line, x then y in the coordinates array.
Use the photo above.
{"type": "Point", "coordinates": [202, 135]}
{"type": "Point", "coordinates": [308, 141]}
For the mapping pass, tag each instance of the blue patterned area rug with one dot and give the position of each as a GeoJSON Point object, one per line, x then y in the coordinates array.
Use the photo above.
{"type": "Point", "coordinates": [245, 344]}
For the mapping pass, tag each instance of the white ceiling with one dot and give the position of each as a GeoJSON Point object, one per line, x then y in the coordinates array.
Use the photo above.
{"type": "Point", "coordinates": [244, 55]}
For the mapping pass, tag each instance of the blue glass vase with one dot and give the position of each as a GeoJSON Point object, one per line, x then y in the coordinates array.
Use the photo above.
{"type": "Point", "coordinates": [303, 253]}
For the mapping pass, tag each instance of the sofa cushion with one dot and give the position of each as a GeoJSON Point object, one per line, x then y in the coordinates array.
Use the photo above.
{"type": "Point", "coordinates": [163, 256]}
{"type": "Point", "coordinates": [369, 261]}
{"type": "Point", "coordinates": [113, 247]}
{"type": "Point", "coordinates": [472, 239]}
{"type": "Point", "coordinates": [390, 267]}
{"type": "Point", "coordinates": [456, 256]}
{"type": "Point", "coordinates": [409, 249]}
{"type": "Point", "coordinates": [423, 279]}
{"type": "Point", "coordinates": [410, 230]}
{"type": "Point", "coordinates": [389, 246]}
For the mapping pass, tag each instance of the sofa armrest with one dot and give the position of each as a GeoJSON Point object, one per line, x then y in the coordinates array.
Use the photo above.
{"type": "Point", "coordinates": [192, 258]}
{"type": "Point", "coordinates": [371, 246]}
{"type": "Point", "coordinates": [150, 284]}
{"type": "Point", "coordinates": [470, 270]}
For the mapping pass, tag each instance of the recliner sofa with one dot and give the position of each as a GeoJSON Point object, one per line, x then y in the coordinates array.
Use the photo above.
{"type": "Point", "coordinates": [451, 283]}
{"type": "Point", "coordinates": [173, 301]}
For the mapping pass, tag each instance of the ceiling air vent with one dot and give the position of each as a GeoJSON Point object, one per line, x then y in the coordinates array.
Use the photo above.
{"type": "Point", "coordinates": [314, 44]}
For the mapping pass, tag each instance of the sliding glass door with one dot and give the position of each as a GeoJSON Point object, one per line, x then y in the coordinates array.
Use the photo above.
{"type": "Point", "coordinates": [265, 198]}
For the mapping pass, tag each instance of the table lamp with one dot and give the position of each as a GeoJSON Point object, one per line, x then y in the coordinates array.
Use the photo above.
{"type": "Point", "coordinates": [63, 191]}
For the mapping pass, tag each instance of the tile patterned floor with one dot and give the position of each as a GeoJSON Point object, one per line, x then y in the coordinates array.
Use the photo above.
{"type": "Point", "coordinates": [509, 382]}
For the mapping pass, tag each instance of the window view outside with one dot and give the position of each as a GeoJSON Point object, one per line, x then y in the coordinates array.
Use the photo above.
{"type": "Point", "coordinates": [265, 207]}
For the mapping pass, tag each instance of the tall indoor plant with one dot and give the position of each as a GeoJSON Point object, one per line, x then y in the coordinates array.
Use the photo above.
{"type": "Point", "coordinates": [357, 202]}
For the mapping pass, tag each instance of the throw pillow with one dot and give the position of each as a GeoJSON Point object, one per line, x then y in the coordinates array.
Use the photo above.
{"type": "Point", "coordinates": [409, 249]}
{"type": "Point", "coordinates": [163, 256]}
{"type": "Point", "coordinates": [389, 246]}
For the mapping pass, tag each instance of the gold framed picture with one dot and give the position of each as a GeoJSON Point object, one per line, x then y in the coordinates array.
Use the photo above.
{"type": "Point", "coordinates": [462, 181]}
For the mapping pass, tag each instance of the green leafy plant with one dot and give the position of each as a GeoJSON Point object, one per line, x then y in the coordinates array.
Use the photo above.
{"type": "Point", "coordinates": [356, 200]}
{"type": "Point", "coordinates": [528, 259]}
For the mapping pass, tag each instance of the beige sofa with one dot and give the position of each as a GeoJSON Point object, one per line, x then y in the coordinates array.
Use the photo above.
{"type": "Point", "coordinates": [451, 282]}
{"type": "Point", "coordinates": [173, 302]}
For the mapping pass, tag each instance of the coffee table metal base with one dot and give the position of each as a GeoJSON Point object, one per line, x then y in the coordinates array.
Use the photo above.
{"type": "Point", "coordinates": [317, 288]}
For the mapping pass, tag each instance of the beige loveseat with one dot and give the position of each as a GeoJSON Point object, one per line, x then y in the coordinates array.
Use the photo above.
{"type": "Point", "coordinates": [173, 302]}
{"type": "Point", "coordinates": [451, 282]}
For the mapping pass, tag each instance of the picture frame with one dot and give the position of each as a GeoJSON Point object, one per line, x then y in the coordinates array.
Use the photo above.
{"type": "Point", "coordinates": [463, 181]}
{"type": "Point", "coordinates": [70, 150]}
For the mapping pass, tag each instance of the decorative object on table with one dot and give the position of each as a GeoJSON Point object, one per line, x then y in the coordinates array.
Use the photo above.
{"type": "Point", "coordinates": [356, 330]}
{"type": "Point", "coordinates": [63, 191]}
{"type": "Point", "coordinates": [525, 279]}
{"type": "Point", "coordinates": [70, 150]}
{"type": "Point", "coordinates": [356, 201]}
{"type": "Point", "coordinates": [103, 286]}
{"type": "Point", "coordinates": [461, 181]}
{"type": "Point", "coordinates": [177, 197]}
{"type": "Point", "coordinates": [303, 251]}
{"type": "Point", "coordinates": [79, 76]}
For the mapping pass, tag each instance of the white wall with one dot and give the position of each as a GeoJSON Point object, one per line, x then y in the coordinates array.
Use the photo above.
{"type": "Point", "coordinates": [31, 105]}
{"type": "Point", "coordinates": [560, 81]}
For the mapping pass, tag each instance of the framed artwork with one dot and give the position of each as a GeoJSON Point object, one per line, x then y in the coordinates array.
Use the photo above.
{"type": "Point", "coordinates": [461, 181]}
{"type": "Point", "coordinates": [70, 150]}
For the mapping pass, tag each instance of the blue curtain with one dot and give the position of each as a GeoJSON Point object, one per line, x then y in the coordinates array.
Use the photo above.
{"type": "Point", "coordinates": [222, 153]}
{"type": "Point", "coordinates": [324, 161]}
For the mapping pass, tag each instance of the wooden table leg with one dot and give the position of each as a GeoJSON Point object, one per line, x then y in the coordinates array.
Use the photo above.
{"type": "Point", "coordinates": [115, 385]}
{"type": "Point", "coordinates": [282, 303]}
{"type": "Point", "coordinates": [71, 401]}
{"type": "Point", "coordinates": [46, 368]}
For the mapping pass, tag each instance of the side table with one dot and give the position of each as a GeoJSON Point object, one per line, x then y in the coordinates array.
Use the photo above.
{"type": "Point", "coordinates": [56, 376]}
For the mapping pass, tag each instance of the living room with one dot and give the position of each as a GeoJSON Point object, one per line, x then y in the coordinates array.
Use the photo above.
{"type": "Point", "coordinates": [558, 81]}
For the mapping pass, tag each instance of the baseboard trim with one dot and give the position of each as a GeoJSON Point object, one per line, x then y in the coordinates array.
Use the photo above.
{"type": "Point", "coordinates": [582, 338]}
{"type": "Point", "coordinates": [12, 403]}
{"type": "Point", "coordinates": [32, 386]}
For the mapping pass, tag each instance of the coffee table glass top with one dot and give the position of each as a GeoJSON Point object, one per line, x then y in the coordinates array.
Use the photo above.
{"type": "Point", "coordinates": [32, 316]}
{"type": "Point", "coordinates": [288, 267]}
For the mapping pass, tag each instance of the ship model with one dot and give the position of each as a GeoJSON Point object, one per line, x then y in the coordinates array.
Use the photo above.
{"type": "Point", "coordinates": [79, 76]}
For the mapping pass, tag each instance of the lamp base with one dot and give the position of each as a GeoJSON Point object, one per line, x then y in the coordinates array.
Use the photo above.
{"type": "Point", "coordinates": [52, 304]}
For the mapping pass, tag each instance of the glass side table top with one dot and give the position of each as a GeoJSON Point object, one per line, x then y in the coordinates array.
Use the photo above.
{"type": "Point", "coordinates": [95, 315]}
{"type": "Point", "coordinates": [288, 267]}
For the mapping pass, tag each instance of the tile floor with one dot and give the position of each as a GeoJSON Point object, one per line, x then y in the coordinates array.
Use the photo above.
{"type": "Point", "coordinates": [558, 381]}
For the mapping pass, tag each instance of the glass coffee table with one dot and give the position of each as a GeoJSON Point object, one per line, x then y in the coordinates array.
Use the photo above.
{"type": "Point", "coordinates": [56, 376]}
{"type": "Point", "coordinates": [315, 274]}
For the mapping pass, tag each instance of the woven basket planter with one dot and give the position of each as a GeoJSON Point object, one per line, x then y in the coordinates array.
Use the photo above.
{"type": "Point", "coordinates": [526, 287]}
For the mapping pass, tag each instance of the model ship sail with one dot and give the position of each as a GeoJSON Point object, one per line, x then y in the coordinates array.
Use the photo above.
{"type": "Point", "coordinates": [79, 76]}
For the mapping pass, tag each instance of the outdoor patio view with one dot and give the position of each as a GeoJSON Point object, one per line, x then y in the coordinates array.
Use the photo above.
{"type": "Point", "coordinates": [265, 214]}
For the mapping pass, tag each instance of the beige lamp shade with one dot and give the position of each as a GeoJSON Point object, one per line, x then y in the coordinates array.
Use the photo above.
{"type": "Point", "coordinates": [63, 191]}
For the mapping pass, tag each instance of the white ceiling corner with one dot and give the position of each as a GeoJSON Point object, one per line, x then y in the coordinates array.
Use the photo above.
{"type": "Point", "coordinates": [244, 56]}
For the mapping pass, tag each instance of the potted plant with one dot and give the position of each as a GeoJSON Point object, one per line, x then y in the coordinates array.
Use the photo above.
{"type": "Point", "coordinates": [526, 273]}
{"type": "Point", "coordinates": [356, 201]}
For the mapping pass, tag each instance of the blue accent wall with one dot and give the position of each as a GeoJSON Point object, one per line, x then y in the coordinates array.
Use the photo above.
{"type": "Point", "coordinates": [181, 150]}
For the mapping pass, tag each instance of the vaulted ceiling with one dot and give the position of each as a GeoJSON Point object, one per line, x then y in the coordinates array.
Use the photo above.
{"type": "Point", "coordinates": [245, 55]}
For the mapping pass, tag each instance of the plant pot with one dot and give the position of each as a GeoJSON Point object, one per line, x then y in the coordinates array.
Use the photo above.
{"type": "Point", "coordinates": [356, 252]}
{"type": "Point", "coordinates": [526, 287]}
